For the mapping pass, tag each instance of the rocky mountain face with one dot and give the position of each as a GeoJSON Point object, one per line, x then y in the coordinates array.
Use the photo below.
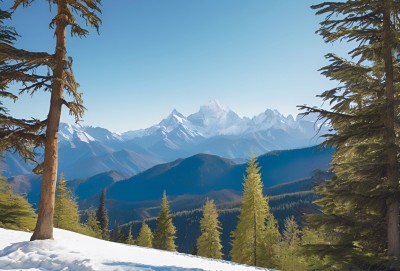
{"type": "Point", "coordinates": [215, 129]}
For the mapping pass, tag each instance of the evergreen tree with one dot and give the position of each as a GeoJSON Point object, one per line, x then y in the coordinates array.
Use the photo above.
{"type": "Point", "coordinates": [102, 216]}
{"type": "Point", "coordinates": [66, 214]}
{"type": "Point", "coordinates": [249, 244]}
{"type": "Point", "coordinates": [209, 241]}
{"type": "Point", "coordinates": [57, 78]}
{"type": "Point", "coordinates": [164, 235]}
{"type": "Point", "coordinates": [19, 135]}
{"type": "Point", "coordinates": [129, 240]}
{"type": "Point", "coordinates": [290, 258]}
{"type": "Point", "coordinates": [145, 238]}
{"type": "Point", "coordinates": [15, 211]}
{"type": "Point", "coordinates": [92, 225]}
{"type": "Point", "coordinates": [117, 234]}
{"type": "Point", "coordinates": [360, 204]}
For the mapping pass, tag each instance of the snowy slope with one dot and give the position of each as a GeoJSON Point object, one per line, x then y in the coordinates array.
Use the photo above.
{"type": "Point", "coordinates": [74, 252]}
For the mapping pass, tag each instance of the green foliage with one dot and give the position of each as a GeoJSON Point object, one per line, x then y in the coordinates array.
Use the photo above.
{"type": "Point", "coordinates": [129, 239]}
{"type": "Point", "coordinates": [360, 205]}
{"type": "Point", "coordinates": [145, 238]}
{"type": "Point", "coordinates": [66, 215]}
{"type": "Point", "coordinates": [102, 216]}
{"type": "Point", "coordinates": [164, 235]}
{"type": "Point", "coordinates": [209, 242]}
{"type": "Point", "coordinates": [92, 225]}
{"type": "Point", "coordinates": [15, 211]}
{"type": "Point", "coordinates": [117, 235]}
{"type": "Point", "coordinates": [290, 256]}
{"type": "Point", "coordinates": [250, 242]}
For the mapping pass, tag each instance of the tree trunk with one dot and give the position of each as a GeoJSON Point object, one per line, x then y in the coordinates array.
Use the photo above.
{"type": "Point", "coordinates": [44, 224]}
{"type": "Point", "coordinates": [389, 122]}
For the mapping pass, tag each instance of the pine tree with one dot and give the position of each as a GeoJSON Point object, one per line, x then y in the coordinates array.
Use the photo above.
{"type": "Point", "coordinates": [145, 238]}
{"type": "Point", "coordinates": [19, 135]}
{"type": "Point", "coordinates": [249, 244]}
{"type": "Point", "coordinates": [209, 242]}
{"type": "Point", "coordinates": [117, 234]}
{"type": "Point", "coordinates": [129, 239]}
{"type": "Point", "coordinates": [290, 258]}
{"type": "Point", "coordinates": [164, 235]}
{"type": "Point", "coordinates": [92, 225]}
{"type": "Point", "coordinates": [102, 216]}
{"type": "Point", "coordinates": [59, 80]}
{"type": "Point", "coordinates": [15, 211]}
{"type": "Point", "coordinates": [66, 215]}
{"type": "Point", "coordinates": [360, 203]}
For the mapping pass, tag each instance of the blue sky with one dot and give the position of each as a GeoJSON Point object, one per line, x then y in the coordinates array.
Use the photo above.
{"type": "Point", "coordinates": [156, 55]}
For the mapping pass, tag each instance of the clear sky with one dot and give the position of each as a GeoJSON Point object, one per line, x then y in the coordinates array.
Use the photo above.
{"type": "Point", "coordinates": [156, 55]}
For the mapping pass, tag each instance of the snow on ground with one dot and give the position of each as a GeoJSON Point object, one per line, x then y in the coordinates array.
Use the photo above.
{"type": "Point", "coordinates": [75, 252]}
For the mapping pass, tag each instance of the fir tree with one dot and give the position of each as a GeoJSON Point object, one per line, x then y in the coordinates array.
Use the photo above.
{"type": "Point", "coordinates": [290, 258]}
{"type": "Point", "coordinates": [249, 244]}
{"type": "Point", "coordinates": [117, 234]}
{"type": "Point", "coordinates": [145, 238]}
{"type": "Point", "coordinates": [66, 214]}
{"type": "Point", "coordinates": [164, 235]}
{"type": "Point", "coordinates": [15, 211]}
{"type": "Point", "coordinates": [57, 78]}
{"type": "Point", "coordinates": [92, 225]}
{"type": "Point", "coordinates": [102, 216]}
{"type": "Point", "coordinates": [360, 203]}
{"type": "Point", "coordinates": [209, 241]}
{"type": "Point", "coordinates": [129, 239]}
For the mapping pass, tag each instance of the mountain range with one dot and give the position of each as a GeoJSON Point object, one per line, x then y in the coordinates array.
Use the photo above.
{"type": "Point", "coordinates": [85, 151]}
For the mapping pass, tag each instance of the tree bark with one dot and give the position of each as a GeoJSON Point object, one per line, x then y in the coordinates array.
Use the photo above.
{"type": "Point", "coordinates": [392, 174]}
{"type": "Point", "coordinates": [44, 224]}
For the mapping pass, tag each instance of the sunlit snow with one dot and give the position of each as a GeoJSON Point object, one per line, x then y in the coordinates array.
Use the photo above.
{"type": "Point", "coordinates": [74, 252]}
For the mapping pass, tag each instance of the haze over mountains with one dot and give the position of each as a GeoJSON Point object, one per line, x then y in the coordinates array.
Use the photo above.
{"type": "Point", "coordinates": [214, 129]}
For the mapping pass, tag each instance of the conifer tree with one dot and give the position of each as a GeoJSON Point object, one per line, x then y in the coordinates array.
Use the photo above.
{"type": "Point", "coordinates": [92, 225]}
{"type": "Point", "coordinates": [145, 238]}
{"type": "Point", "coordinates": [102, 216]}
{"type": "Point", "coordinates": [19, 135]}
{"type": "Point", "coordinates": [164, 234]}
{"type": "Point", "coordinates": [15, 211]}
{"type": "Point", "coordinates": [117, 234]}
{"type": "Point", "coordinates": [361, 202]}
{"type": "Point", "coordinates": [249, 238]}
{"type": "Point", "coordinates": [61, 78]}
{"type": "Point", "coordinates": [129, 239]}
{"type": "Point", "coordinates": [66, 214]}
{"type": "Point", "coordinates": [209, 241]}
{"type": "Point", "coordinates": [290, 258]}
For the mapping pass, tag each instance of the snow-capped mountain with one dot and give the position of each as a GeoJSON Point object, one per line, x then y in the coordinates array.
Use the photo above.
{"type": "Point", "coordinates": [214, 129]}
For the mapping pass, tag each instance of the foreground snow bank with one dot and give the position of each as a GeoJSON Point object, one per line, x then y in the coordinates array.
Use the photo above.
{"type": "Point", "coordinates": [75, 252]}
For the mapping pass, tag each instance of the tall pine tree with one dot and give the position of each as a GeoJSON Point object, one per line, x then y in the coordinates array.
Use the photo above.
{"type": "Point", "coordinates": [249, 238]}
{"type": "Point", "coordinates": [145, 238]}
{"type": "Point", "coordinates": [66, 215]}
{"type": "Point", "coordinates": [361, 203]}
{"type": "Point", "coordinates": [209, 241]}
{"type": "Point", "coordinates": [60, 80]}
{"type": "Point", "coordinates": [102, 216]}
{"type": "Point", "coordinates": [164, 235]}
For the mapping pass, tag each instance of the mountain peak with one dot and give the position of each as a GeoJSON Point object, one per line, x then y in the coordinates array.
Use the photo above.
{"type": "Point", "coordinates": [214, 106]}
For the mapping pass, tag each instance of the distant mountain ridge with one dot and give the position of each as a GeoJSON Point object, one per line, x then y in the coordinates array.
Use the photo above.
{"type": "Point", "coordinates": [215, 129]}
